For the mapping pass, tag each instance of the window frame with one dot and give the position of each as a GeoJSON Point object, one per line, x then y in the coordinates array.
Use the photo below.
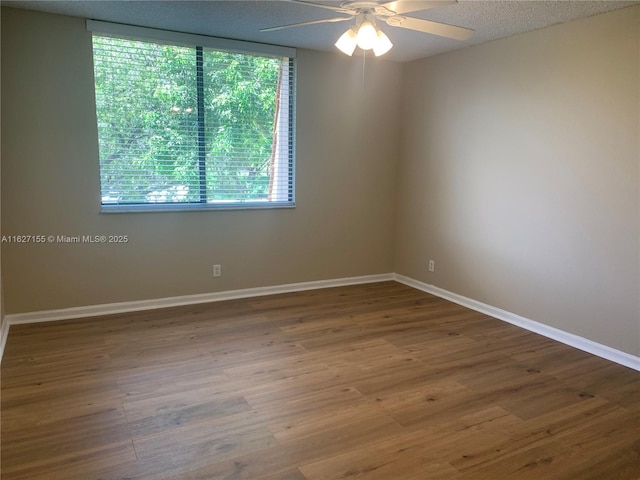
{"type": "Point", "coordinates": [144, 34]}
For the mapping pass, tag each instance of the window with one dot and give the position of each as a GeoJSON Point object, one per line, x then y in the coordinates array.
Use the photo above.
{"type": "Point", "coordinates": [191, 122]}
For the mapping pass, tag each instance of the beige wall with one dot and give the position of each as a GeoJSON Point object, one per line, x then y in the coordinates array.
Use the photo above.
{"type": "Point", "coordinates": [342, 225]}
{"type": "Point", "coordinates": [520, 176]}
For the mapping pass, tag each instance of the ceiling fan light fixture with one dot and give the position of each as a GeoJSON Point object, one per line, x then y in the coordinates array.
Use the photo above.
{"type": "Point", "coordinates": [382, 44]}
{"type": "Point", "coordinates": [367, 35]}
{"type": "Point", "coordinates": [348, 42]}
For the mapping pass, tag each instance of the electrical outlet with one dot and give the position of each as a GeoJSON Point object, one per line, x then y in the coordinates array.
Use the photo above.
{"type": "Point", "coordinates": [432, 265]}
{"type": "Point", "coordinates": [217, 270]}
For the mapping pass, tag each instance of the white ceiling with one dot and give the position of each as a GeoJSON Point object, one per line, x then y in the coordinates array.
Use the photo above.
{"type": "Point", "coordinates": [243, 19]}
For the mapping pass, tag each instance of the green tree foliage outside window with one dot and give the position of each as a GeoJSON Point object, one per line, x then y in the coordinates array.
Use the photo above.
{"type": "Point", "coordinates": [187, 125]}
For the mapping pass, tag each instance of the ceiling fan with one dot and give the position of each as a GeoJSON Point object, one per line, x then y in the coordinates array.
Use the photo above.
{"type": "Point", "coordinates": [367, 35]}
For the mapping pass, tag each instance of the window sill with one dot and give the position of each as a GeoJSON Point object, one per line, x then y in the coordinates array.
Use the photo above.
{"type": "Point", "coordinates": [209, 207]}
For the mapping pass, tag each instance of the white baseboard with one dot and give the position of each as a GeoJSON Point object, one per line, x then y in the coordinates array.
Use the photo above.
{"type": "Point", "coordinates": [567, 338]}
{"type": "Point", "coordinates": [4, 332]}
{"type": "Point", "coordinates": [139, 305]}
{"type": "Point", "coordinates": [570, 339]}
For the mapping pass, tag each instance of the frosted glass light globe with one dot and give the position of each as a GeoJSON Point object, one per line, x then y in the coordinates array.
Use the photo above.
{"type": "Point", "coordinates": [367, 36]}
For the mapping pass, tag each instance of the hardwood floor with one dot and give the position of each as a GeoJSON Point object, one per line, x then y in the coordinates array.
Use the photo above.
{"type": "Point", "coordinates": [375, 381]}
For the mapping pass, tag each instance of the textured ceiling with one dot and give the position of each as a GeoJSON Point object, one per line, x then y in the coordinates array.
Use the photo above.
{"type": "Point", "coordinates": [243, 20]}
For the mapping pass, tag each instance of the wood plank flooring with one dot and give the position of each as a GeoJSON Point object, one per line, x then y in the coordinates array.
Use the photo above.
{"type": "Point", "coordinates": [376, 381]}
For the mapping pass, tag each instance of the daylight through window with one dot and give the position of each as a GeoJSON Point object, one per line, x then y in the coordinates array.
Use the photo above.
{"type": "Point", "coordinates": [189, 126]}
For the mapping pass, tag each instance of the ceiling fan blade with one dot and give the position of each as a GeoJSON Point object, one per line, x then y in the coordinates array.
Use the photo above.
{"type": "Point", "coordinates": [313, 22]}
{"type": "Point", "coordinates": [322, 5]}
{"type": "Point", "coordinates": [406, 6]}
{"type": "Point", "coordinates": [427, 26]}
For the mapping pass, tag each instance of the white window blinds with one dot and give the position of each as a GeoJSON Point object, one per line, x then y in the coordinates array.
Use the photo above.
{"type": "Point", "coordinates": [182, 125]}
